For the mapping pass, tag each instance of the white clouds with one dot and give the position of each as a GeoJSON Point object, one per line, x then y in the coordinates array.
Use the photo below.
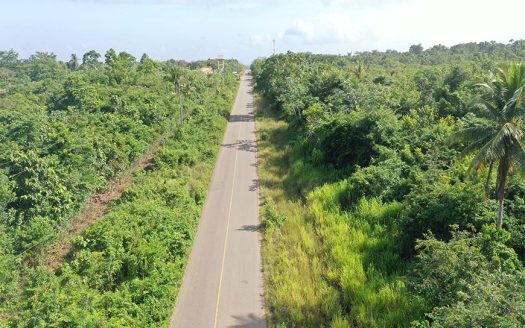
{"type": "Point", "coordinates": [300, 30]}
{"type": "Point", "coordinates": [356, 25]}
{"type": "Point", "coordinates": [244, 5]}
{"type": "Point", "coordinates": [323, 29]}
{"type": "Point", "coordinates": [362, 3]}
{"type": "Point", "coordinates": [245, 28]}
{"type": "Point", "coordinates": [248, 3]}
{"type": "Point", "coordinates": [447, 22]}
{"type": "Point", "coordinates": [238, 4]}
{"type": "Point", "coordinates": [261, 39]}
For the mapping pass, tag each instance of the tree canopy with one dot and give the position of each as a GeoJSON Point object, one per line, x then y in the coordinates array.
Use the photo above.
{"type": "Point", "coordinates": [404, 230]}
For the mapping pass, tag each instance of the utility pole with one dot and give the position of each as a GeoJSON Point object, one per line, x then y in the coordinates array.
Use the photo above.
{"type": "Point", "coordinates": [180, 103]}
{"type": "Point", "coordinates": [274, 47]}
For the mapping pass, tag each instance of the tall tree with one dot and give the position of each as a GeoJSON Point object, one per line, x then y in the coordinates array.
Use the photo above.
{"type": "Point", "coordinates": [416, 49]}
{"type": "Point", "coordinates": [90, 58]}
{"type": "Point", "coordinates": [111, 57]}
{"type": "Point", "coordinates": [498, 137]}
{"type": "Point", "coordinates": [73, 64]}
{"type": "Point", "coordinates": [8, 58]}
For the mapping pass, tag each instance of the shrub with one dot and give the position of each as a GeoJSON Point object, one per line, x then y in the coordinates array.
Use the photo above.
{"type": "Point", "coordinates": [271, 219]}
{"type": "Point", "coordinates": [473, 280]}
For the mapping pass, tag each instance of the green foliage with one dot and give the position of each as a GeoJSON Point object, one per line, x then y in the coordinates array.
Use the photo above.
{"type": "Point", "coordinates": [8, 59]}
{"type": "Point", "coordinates": [498, 137]}
{"type": "Point", "coordinates": [472, 280]}
{"type": "Point", "coordinates": [371, 187]}
{"type": "Point", "coordinates": [516, 216]}
{"type": "Point", "coordinates": [363, 261]}
{"type": "Point", "coordinates": [271, 219]}
{"type": "Point", "coordinates": [90, 58]}
{"type": "Point", "coordinates": [129, 275]}
{"type": "Point", "coordinates": [490, 300]}
{"type": "Point", "coordinates": [437, 204]}
{"type": "Point", "coordinates": [354, 139]}
{"type": "Point", "coordinates": [384, 180]}
{"type": "Point", "coordinates": [65, 133]}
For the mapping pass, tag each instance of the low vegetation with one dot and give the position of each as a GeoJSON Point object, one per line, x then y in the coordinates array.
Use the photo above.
{"type": "Point", "coordinates": [70, 128]}
{"type": "Point", "coordinates": [371, 216]}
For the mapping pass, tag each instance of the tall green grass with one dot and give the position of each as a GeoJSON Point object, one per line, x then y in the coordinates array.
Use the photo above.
{"type": "Point", "coordinates": [325, 267]}
{"type": "Point", "coordinates": [360, 250]}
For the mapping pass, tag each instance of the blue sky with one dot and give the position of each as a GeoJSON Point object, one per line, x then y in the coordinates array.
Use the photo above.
{"type": "Point", "coordinates": [199, 29]}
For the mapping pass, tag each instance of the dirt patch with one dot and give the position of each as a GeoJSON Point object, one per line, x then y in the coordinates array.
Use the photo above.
{"type": "Point", "coordinates": [98, 206]}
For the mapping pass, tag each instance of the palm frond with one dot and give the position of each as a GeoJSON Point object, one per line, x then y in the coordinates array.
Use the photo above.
{"type": "Point", "coordinates": [518, 153]}
{"type": "Point", "coordinates": [510, 106]}
{"type": "Point", "coordinates": [512, 131]}
{"type": "Point", "coordinates": [520, 112]}
{"type": "Point", "coordinates": [472, 134]}
{"type": "Point", "coordinates": [473, 147]}
{"type": "Point", "coordinates": [487, 108]}
{"type": "Point", "coordinates": [485, 86]}
{"type": "Point", "coordinates": [503, 105]}
{"type": "Point", "coordinates": [491, 151]}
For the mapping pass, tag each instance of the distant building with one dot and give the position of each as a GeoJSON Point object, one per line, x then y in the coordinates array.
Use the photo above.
{"type": "Point", "coordinates": [206, 70]}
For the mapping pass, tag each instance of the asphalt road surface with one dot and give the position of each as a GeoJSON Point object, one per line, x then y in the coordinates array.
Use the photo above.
{"type": "Point", "coordinates": [222, 285]}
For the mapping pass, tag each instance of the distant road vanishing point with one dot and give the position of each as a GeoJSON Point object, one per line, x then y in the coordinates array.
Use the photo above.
{"type": "Point", "coordinates": [223, 284]}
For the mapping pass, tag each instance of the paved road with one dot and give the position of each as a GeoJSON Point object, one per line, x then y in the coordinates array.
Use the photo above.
{"type": "Point", "coordinates": [222, 284]}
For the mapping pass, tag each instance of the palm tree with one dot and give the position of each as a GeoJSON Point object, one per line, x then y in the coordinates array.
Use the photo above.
{"type": "Point", "coordinates": [359, 69]}
{"type": "Point", "coordinates": [498, 136]}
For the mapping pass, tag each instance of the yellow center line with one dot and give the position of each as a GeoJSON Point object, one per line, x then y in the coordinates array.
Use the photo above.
{"type": "Point", "coordinates": [227, 230]}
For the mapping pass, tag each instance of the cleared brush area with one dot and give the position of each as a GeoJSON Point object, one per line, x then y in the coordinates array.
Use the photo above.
{"type": "Point", "coordinates": [98, 206]}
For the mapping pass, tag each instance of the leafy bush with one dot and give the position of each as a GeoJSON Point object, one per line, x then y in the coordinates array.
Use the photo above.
{"type": "Point", "coordinates": [440, 204]}
{"type": "Point", "coordinates": [472, 280]}
{"type": "Point", "coordinates": [384, 180]}
{"type": "Point", "coordinates": [366, 172]}
{"type": "Point", "coordinates": [353, 139]}
{"type": "Point", "coordinates": [66, 133]}
{"type": "Point", "coordinates": [271, 219]}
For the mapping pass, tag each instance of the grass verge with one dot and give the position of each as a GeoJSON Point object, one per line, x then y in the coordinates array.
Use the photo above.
{"type": "Point", "coordinates": [324, 266]}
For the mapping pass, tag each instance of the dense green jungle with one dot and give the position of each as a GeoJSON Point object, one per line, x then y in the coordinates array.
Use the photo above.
{"type": "Point", "coordinates": [67, 130]}
{"type": "Point", "coordinates": [393, 187]}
